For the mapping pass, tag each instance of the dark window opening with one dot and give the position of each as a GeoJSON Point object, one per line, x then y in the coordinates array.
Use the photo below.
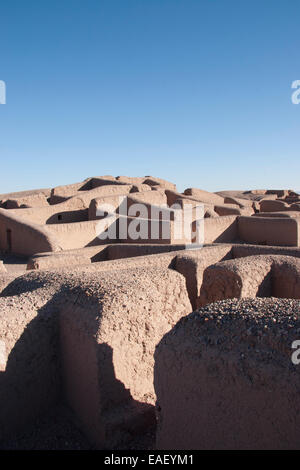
{"type": "Point", "coordinates": [8, 240]}
{"type": "Point", "coordinates": [59, 216]}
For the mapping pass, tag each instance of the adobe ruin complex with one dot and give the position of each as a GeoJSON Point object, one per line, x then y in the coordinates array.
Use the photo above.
{"type": "Point", "coordinates": [188, 344]}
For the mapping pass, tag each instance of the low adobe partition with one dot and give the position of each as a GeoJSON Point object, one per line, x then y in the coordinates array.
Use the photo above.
{"type": "Point", "coordinates": [68, 258]}
{"type": "Point", "coordinates": [269, 230]}
{"type": "Point", "coordinates": [87, 340]}
{"type": "Point", "coordinates": [94, 254]}
{"type": "Point", "coordinates": [270, 206]}
{"type": "Point", "coordinates": [192, 263]}
{"type": "Point", "coordinates": [251, 276]}
{"type": "Point", "coordinates": [72, 210]}
{"type": "Point", "coordinates": [223, 229]}
{"type": "Point", "coordinates": [107, 342]}
{"type": "Point", "coordinates": [242, 250]}
{"type": "Point", "coordinates": [160, 231]}
{"type": "Point", "coordinates": [34, 200]}
{"type": "Point", "coordinates": [225, 379]}
{"type": "Point", "coordinates": [158, 260]}
{"type": "Point", "coordinates": [124, 250]}
{"type": "Point", "coordinates": [22, 237]}
{"type": "Point", "coordinates": [62, 193]}
{"type": "Point", "coordinates": [289, 213]}
{"type": "Point", "coordinates": [150, 200]}
{"type": "Point", "coordinates": [77, 234]}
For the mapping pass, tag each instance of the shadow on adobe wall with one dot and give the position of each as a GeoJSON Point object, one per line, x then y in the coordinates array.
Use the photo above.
{"type": "Point", "coordinates": [68, 217]}
{"type": "Point", "coordinates": [48, 367]}
{"type": "Point", "coordinates": [21, 285]}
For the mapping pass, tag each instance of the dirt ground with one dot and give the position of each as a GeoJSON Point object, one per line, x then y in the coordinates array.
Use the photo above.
{"type": "Point", "coordinates": [58, 431]}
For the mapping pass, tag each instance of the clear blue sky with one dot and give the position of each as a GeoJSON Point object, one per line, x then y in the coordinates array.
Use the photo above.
{"type": "Point", "coordinates": [194, 91]}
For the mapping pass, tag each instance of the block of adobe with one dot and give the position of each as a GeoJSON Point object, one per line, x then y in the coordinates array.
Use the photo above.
{"type": "Point", "coordinates": [88, 184]}
{"type": "Point", "coordinates": [288, 213]}
{"type": "Point", "coordinates": [137, 183]}
{"type": "Point", "coordinates": [112, 191]}
{"type": "Point", "coordinates": [17, 235]}
{"type": "Point", "coordinates": [108, 325]}
{"type": "Point", "coordinates": [221, 229]}
{"type": "Point", "coordinates": [192, 263]}
{"type": "Point", "coordinates": [6, 278]}
{"type": "Point", "coordinates": [258, 198]}
{"type": "Point", "coordinates": [204, 196]}
{"type": "Point", "coordinates": [173, 197]}
{"type": "Point", "coordinates": [61, 193]}
{"type": "Point", "coordinates": [161, 230]}
{"type": "Point", "coordinates": [2, 267]}
{"type": "Point", "coordinates": [245, 196]}
{"type": "Point", "coordinates": [97, 254]}
{"type": "Point", "coordinates": [123, 250]}
{"type": "Point", "coordinates": [252, 276]}
{"type": "Point", "coordinates": [278, 231]}
{"type": "Point", "coordinates": [100, 206]}
{"type": "Point", "coordinates": [69, 211]}
{"type": "Point", "coordinates": [148, 223]}
{"type": "Point", "coordinates": [292, 199]}
{"type": "Point", "coordinates": [209, 212]}
{"type": "Point", "coordinates": [87, 195]}
{"type": "Point", "coordinates": [236, 278]}
{"type": "Point", "coordinates": [238, 201]}
{"type": "Point", "coordinates": [257, 191]}
{"type": "Point", "coordinates": [279, 192]}
{"type": "Point", "coordinates": [76, 235]}
{"type": "Point", "coordinates": [295, 206]}
{"type": "Point", "coordinates": [154, 182]}
{"type": "Point", "coordinates": [186, 203]}
{"type": "Point", "coordinates": [30, 381]}
{"type": "Point", "coordinates": [232, 209]}
{"type": "Point", "coordinates": [22, 194]}
{"type": "Point", "coordinates": [267, 197]}
{"type": "Point", "coordinates": [159, 256]}
{"type": "Point", "coordinates": [286, 277]}
{"type": "Point", "coordinates": [242, 250]}
{"type": "Point", "coordinates": [273, 206]}
{"type": "Point", "coordinates": [137, 208]}
{"type": "Point", "coordinates": [224, 378]}
{"type": "Point", "coordinates": [157, 198]}
{"type": "Point", "coordinates": [67, 258]}
{"type": "Point", "coordinates": [74, 209]}
{"type": "Point", "coordinates": [107, 341]}
{"type": "Point", "coordinates": [107, 258]}
{"type": "Point", "coordinates": [31, 238]}
{"type": "Point", "coordinates": [122, 203]}
{"type": "Point", "coordinates": [130, 179]}
{"type": "Point", "coordinates": [164, 260]}
{"type": "Point", "coordinates": [34, 200]}
{"type": "Point", "coordinates": [149, 180]}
